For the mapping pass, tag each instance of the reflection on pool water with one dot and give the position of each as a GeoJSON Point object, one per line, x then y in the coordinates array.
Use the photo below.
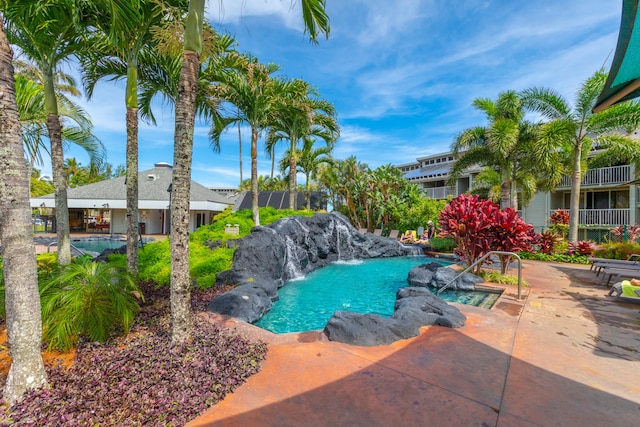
{"type": "Point", "coordinates": [97, 245]}
{"type": "Point", "coordinates": [363, 286]}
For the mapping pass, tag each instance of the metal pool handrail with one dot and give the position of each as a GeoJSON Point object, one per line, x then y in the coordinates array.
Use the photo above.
{"type": "Point", "coordinates": [56, 244]}
{"type": "Point", "coordinates": [480, 260]}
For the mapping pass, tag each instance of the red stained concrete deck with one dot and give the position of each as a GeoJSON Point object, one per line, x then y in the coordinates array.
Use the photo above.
{"type": "Point", "coordinates": [566, 355]}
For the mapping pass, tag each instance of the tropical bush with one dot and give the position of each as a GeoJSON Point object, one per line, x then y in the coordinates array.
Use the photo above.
{"type": "Point", "coordinates": [511, 234]}
{"type": "Point", "coordinates": [479, 226]}
{"type": "Point", "coordinates": [559, 257]}
{"type": "Point", "coordinates": [549, 241]}
{"type": "Point", "coordinates": [90, 300]}
{"type": "Point", "coordinates": [617, 250]}
{"type": "Point", "coordinates": [625, 233]}
{"type": "Point", "coordinates": [559, 222]}
{"type": "Point", "coordinates": [443, 244]}
{"type": "Point", "coordinates": [582, 247]}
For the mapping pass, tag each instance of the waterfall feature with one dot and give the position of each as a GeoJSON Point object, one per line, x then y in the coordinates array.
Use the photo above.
{"type": "Point", "coordinates": [344, 244]}
{"type": "Point", "coordinates": [292, 268]}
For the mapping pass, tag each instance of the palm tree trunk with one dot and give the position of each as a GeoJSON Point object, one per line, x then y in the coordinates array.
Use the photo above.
{"type": "Point", "coordinates": [574, 206]}
{"type": "Point", "coordinates": [181, 182]}
{"type": "Point", "coordinates": [132, 191]}
{"type": "Point", "coordinates": [57, 167]}
{"type": "Point", "coordinates": [23, 318]}
{"type": "Point", "coordinates": [240, 147]}
{"type": "Point", "coordinates": [60, 189]}
{"type": "Point", "coordinates": [254, 176]}
{"type": "Point", "coordinates": [505, 191]}
{"type": "Point", "coordinates": [293, 185]}
{"type": "Point", "coordinates": [308, 190]}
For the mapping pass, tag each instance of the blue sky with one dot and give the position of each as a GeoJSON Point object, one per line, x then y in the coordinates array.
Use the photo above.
{"type": "Point", "coordinates": [402, 74]}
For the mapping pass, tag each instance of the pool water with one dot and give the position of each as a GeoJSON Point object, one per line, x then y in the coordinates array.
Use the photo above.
{"type": "Point", "coordinates": [363, 286]}
{"type": "Point", "coordinates": [98, 245]}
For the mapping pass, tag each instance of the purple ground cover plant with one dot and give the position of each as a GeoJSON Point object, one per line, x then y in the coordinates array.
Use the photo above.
{"type": "Point", "coordinates": [140, 379]}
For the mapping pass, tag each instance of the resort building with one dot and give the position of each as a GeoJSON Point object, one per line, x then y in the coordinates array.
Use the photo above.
{"type": "Point", "coordinates": [608, 195]}
{"type": "Point", "coordinates": [102, 206]}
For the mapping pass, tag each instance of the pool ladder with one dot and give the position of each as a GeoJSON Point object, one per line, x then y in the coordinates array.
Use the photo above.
{"type": "Point", "coordinates": [80, 251]}
{"type": "Point", "coordinates": [481, 260]}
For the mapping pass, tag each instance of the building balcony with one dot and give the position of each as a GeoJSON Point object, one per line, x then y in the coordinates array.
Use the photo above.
{"type": "Point", "coordinates": [603, 217]}
{"type": "Point", "coordinates": [440, 192]}
{"type": "Point", "coordinates": [613, 175]}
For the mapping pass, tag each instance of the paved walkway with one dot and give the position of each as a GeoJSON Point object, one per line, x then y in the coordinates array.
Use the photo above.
{"type": "Point", "coordinates": [566, 355]}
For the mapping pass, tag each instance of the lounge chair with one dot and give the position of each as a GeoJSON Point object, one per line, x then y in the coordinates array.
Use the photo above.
{"type": "Point", "coordinates": [377, 232]}
{"type": "Point", "coordinates": [626, 290]}
{"type": "Point", "coordinates": [633, 258]}
{"type": "Point", "coordinates": [393, 234]}
{"type": "Point", "coordinates": [621, 274]}
{"type": "Point", "coordinates": [409, 236]}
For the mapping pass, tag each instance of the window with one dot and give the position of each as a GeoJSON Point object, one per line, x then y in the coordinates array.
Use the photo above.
{"type": "Point", "coordinates": [200, 219]}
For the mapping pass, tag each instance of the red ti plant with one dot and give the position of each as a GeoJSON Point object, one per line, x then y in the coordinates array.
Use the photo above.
{"type": "Point", "coordinates": [469, 222]}
{"type": "Point", "coordinates": [548, 239]}
{"type": "Point", "coordinates": [560, 217]}
{"type": "Point", "coordinates": [583, 247]}
{"type": "Point", "coordinates": [511, 234]}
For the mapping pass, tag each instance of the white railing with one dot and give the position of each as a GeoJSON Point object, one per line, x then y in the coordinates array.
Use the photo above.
{"type": "Point", "coordinates": [602, 176]}
{"type": "Point", "coordinates": [603, 216]}
{"type": "Point", "coordinates": [440, 192]}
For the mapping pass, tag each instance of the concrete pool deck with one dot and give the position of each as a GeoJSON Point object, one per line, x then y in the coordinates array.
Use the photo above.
{"type": "Point", "coordinates": [565, 355]}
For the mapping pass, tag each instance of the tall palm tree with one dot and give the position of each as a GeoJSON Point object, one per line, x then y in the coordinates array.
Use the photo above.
{"type": "Point", "coordinates": [181, 181]}
{"type": "Point", "coordinates": [578, 130]}
{"type": "Point", "coordinates": [116, 51]}
{"type": "Point", "coordinates": [252, 91]}
{"type": "Point", "coordinates": [316, 21]}
{"type": "Point", "coordinates": [301, 114]}
{"type": "Point", "coordinates": [20, 275]}
{"type": "Point", "coordinates": [496, 144]}
{"type": "Point", "coordinates": [47, 32]}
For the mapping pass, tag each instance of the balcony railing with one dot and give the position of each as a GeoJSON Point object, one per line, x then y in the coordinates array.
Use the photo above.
{"type": "Point", "coordinates": [603, 216]}
{"type": "Point", "coordinates": [602, 176]}
{"type": "Point", "coordinates": [440, 192]}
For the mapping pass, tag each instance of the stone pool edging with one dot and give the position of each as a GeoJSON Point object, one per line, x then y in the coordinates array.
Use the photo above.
{"type": "Point", "coordinates": [272, 255]}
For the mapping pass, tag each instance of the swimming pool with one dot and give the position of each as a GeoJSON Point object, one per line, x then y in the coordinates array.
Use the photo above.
{"type": "Point", "coordinates": [363, 286]}
{"type": "Point", "coordinates": [97, 245]}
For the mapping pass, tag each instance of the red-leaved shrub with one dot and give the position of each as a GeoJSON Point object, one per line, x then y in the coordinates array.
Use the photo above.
{"type": "Point", "coordinates": [559, 217]}
{"type": "Point", "coordinates": [583, 247]}
{"type": "Point", "coordinates": [479, 226]}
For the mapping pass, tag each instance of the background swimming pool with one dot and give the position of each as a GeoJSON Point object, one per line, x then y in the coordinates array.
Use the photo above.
{"type": "Point", "coordinates": [367, 286]}
{"type": "Point", "coordinates": [98, 245]}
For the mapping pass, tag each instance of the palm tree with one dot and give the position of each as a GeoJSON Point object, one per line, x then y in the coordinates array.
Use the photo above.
{"type": "Point", "coordinates": [47, 33]}
{"type": "Point", "coordinates": [181, 181]}
{"type": "Point", "coordinates": [309, 161]}
{"type": "Point", "coordinates": [316, 21]}
{"type": "Point", "coordinates": [20, 275]}
{"type": "Point", "coordinates": [301, 115]}
{"type": "Point", "coordinates": [116, 52]}
{"type": "Point", "coordinates": [496, 145]}
{"type": "Point", "coordinates": [577, 131]}
{"type": "Point", "coordinates": [252, 91]}
{"type": "Point", "coordinates": [33, 117]}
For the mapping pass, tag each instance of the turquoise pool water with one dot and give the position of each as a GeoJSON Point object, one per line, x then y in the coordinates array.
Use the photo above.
{"type": "Point", "coordinates": [98, 245]}
{"type": "Point", "coordinates": [367, 286]}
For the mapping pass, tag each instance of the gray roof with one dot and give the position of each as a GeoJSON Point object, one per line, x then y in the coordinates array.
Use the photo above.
{"type": "Point", "coordinates": [152, 186]}
{"type": "Point", "coordinates": [431, 171]}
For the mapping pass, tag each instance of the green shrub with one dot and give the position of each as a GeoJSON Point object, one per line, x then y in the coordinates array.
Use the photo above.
{"type": "Point", "coordinates": [87, 299]}
{"type": "Point", "coordinates": [617, 250]}
{"type": "Point", "coordinates": [539, 256]}
{"type": "Point", "coordinates": [503, 279]}
{"type": "Point", "coordinates": [443, 244]}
